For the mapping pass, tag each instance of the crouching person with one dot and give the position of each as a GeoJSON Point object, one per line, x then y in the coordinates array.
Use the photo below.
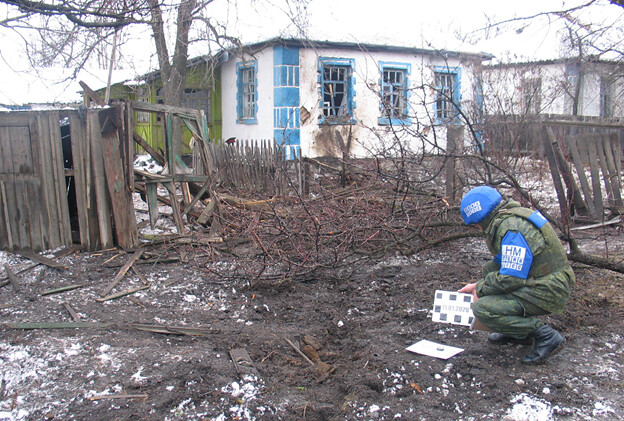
{"type": "Point", "coordinates": [529, 276]}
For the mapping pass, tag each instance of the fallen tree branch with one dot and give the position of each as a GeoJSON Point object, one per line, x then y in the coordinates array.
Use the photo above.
{"type": "Point", "coordinates": [599, 262]}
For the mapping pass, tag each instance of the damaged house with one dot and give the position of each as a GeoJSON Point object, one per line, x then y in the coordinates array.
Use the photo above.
{"type": "Point", "coordinates": [321, 98]}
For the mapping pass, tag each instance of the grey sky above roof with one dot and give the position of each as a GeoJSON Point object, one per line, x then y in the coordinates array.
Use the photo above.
{"type": "Point", "coordinates": [451, 25]}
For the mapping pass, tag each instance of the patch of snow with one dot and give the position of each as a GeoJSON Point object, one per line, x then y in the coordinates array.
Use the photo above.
{"type": "Point", "coordinates": [527, 408]}
{"type": "Point", "coordinates": [601, 409]}
{"type": "Point", "coordinates": [148, 164]}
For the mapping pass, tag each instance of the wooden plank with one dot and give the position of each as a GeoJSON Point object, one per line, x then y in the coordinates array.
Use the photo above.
{"type": "Point", "coordinates": [602, 162]}
{"type": "Point", "coordinates": [572, 188]}
{"type": "Point", "coordinates": [554, 172]}
{"type": "Point", "coordinates": [122, 293]}
{"type": "Point", "coordinates": [12, 211]}
{"type": "Point", "coordinates": [34, 210]}
{"type": "Point", "coordinates": [243, 363]}
{"type": "Point", "coordinates": [196, 198]}
{"type": "Point", "coordinates": [129, 146]}
{"type": "Point", "coordinates": [72, 312]}
{"type": "Point", "coordinates": [101, 194]}
{"type": "Point", "coordinates": [590, 144]}
{"type": "Point", "coordinates": [95, 241]}
{"type": "Point", "coordinates": [62, 289]}
{"type": "Point", "coordinates": [22, 224]}
{"type": "Point", "coordinates": [5, 227]}
{"type": "Point", "coordinates": [21, 168]}
{"type": "Point", "coordinates": [135, 256]}
{"type": "Point", "coordinates": [94, 95]}
{"type": "Point", "coordinates": [617, 151]}
{"type": "Point", "coordinates": [149, 149]}
{"type": "Point", "coordinates": [175, 206]}
{"type": "Point", "coordinates": [121, 199]}
{"type": "Point", "coordinates": [169, 144]}
{"type": "Point", "coordinates": [60, 190]}
{"type": "Point", "coordinates": [151, 194]}
{"type": "Point", "coordinates": [6, 153]}
{"type": "Point", "coordinates": [12, 278]}
{"type": "Point", "coordinates": [12, 119]}
{"type": "Point", "coordinates": [58, 325]}
{"type": "Point", "coordinates": [7, 242]}
{"type": "Point", "coordinates": [78, 138]}
{"type": "Point", "coordinates": [186, 193]}
{"type": "Point", "coordinates": [613, 175]}
{"type": "Point", "coordinates": [580, 171]}
{"type": "Point", "coordinates": [47, 178]}
{"type": "Point", "coordinates": [39, 194]}
{"type": "Point", "coordinates": [41, 259]}
{"type": "Point", "coordinates": [161, 108]}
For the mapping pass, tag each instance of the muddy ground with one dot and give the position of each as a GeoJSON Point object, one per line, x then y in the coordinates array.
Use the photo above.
{"type": "Point", "coordinates": [355, 330]}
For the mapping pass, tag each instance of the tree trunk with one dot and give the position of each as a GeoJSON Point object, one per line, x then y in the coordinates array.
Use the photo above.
{"type": "Point", "coordinates": [173, 73]}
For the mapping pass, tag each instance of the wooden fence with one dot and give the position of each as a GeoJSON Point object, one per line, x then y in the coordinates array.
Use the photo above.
{"type": "Point", "coordinates": [34, 211]}
{"type": "Point", "coordinates": [584, 156]}
{"type": "Point", "coordinates": [254, 165]}
{"type": "Point", "coordinates": [586, 166]}
{"type": "Point", "coordinates": [54, 190]}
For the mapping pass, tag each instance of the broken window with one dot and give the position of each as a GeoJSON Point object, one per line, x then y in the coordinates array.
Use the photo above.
{"type": "Point", "coordinates": [142, 96]}
{"type": "Point", "coordinates": [198, 99]}
{"type": "Point", "coordinates": [246, 95]}
{"type": "Point", "coordinates": [606, 97]}
{"type": "Point", "coordinates": [531, 89]}
{"type": "Point", "coordinates": [447, 90]}
{"type": "Point", "coordinates": [394, 93]}
{"type": "Point", "coordinates": [336, 90]}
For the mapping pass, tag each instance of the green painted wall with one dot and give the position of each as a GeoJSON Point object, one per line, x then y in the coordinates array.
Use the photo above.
{"type": "Point", "coordinates": [202, 91]}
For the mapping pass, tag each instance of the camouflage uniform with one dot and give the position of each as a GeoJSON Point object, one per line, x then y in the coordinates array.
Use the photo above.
{"type": "Point", "coordinates": [509, 304]}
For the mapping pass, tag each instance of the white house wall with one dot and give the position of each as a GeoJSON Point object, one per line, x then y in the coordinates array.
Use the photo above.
{"type": "Point", "coordinates": [503, 89]}
{"type": "Point", "coordinates": [263, 129]}
{"type": "Point", "coordinates": [367, 136]}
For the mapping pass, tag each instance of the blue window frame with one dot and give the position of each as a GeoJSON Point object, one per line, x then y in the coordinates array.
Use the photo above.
{"type": "Point", "coordinates": [337, 89]}
{"type": "Point", "coordinates": [394, 84]}
{"type": "Point", "coordinates": [448, 94]}
{"type": "Point", "coordinates": [246, 93]}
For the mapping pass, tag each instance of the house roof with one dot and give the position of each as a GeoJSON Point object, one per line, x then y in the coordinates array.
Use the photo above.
{"type": "Point", "coordinates": [304, 43]}
{"type": "Point", "coordinates": [314, 44]}
{"type": "Point", "coordinates": [562, 60]}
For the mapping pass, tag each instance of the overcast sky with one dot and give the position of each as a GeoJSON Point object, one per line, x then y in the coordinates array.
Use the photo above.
{"type": "Point", "coordinates": [429, 24]}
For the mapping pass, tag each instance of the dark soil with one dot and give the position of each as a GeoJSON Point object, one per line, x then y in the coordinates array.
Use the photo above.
{"type": "Point", "coordinates": [355, 330]}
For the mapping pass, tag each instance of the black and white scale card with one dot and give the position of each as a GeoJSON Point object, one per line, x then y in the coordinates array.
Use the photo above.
{"type": "Point", "coordinates": [453, 307]}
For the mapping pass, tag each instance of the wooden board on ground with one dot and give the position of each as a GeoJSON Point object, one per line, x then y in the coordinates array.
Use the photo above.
{"type": "Point", "coordinates": [242, 362]}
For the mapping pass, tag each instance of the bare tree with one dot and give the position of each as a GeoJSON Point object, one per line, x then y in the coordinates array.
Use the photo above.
{"type": "Point", "coordinates": [72, 32]}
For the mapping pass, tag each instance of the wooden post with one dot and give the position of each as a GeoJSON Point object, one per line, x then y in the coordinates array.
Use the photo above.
{"type": "Point", "coordinates": [454, 135]}
{"type": "Point", "coordinates": [552, 164]}
{"type": "Point", "coordinates": [121, 198]}
{"type": "Point", "coordinates": [99, 180]}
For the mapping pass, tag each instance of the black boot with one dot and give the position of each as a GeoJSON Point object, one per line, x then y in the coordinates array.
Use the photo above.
{"type": "Point", "coordinates": [502, 339]}
{"type": "Point", "coordinates": [547, 342]}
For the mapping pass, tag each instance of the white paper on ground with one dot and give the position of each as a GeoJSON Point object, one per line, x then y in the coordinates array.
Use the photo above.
{"type": "Point", "coordinates": [433, 349]}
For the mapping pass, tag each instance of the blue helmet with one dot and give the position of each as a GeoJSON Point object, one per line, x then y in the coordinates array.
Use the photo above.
{"type": "Point", "coordinates": [478, 203]}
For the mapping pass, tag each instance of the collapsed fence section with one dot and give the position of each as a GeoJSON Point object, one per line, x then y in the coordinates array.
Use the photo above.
{"type": "Point", "coordinates": [584, 155]}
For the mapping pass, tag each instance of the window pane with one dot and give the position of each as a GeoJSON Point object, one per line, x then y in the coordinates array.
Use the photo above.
{"type": "Point", "coordinates": [445, 96]}
{"type": "Point", "coordinates": [248, 92]}
{"type": "Point", "coordinates": [394, 93]}
{"type": "Point", "coordinates": [335, 91]}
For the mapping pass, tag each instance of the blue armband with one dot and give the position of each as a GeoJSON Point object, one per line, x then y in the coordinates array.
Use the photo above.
{"type": "Point", "coordinates": [516, 256]}
{"type": "Point", "coordinates": [537, 219]}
